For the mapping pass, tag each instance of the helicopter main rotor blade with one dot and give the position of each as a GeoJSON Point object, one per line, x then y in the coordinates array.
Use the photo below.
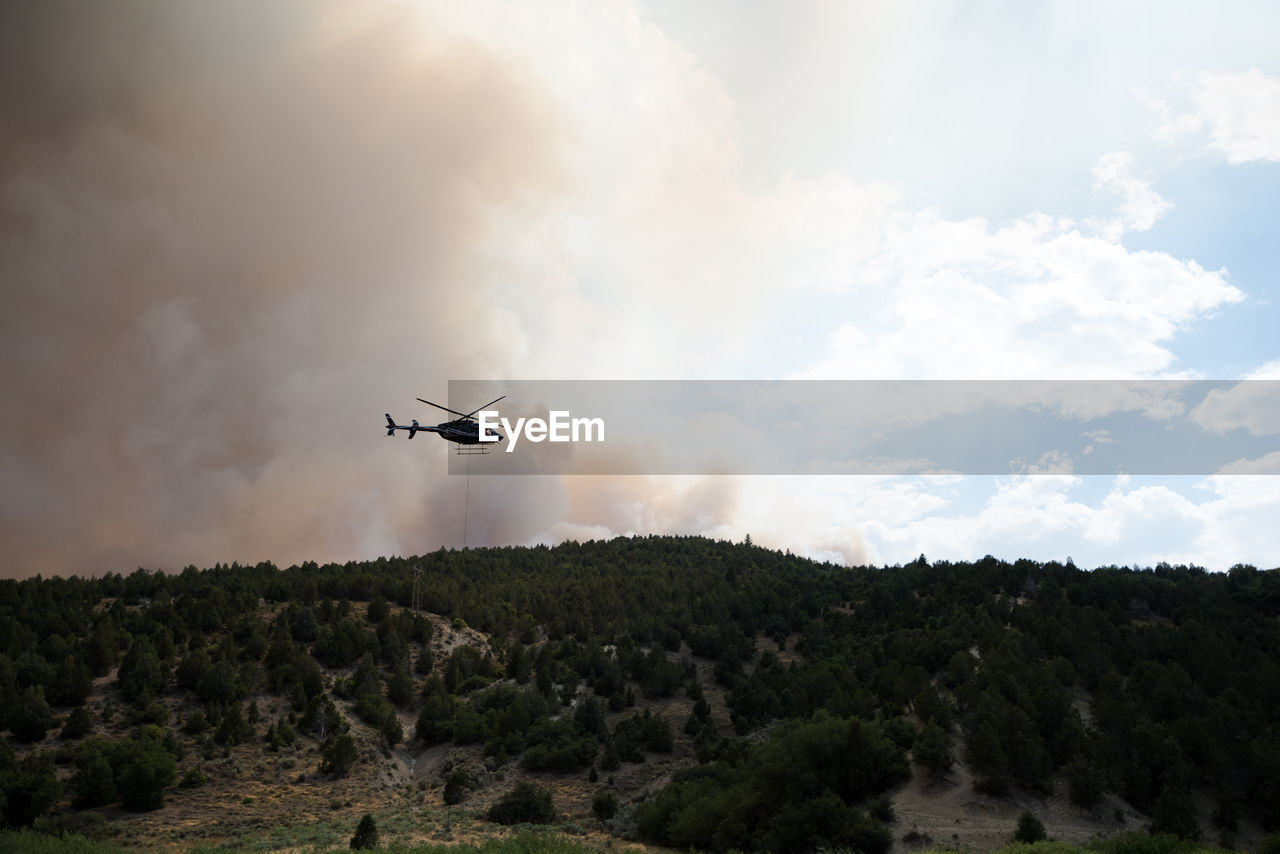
{"type": "Point", "coordinates": [462, 414]}
{"type": "Point", "coordinates": [447, 409]}
{"type": "Point", "coordinates": [478, 408]}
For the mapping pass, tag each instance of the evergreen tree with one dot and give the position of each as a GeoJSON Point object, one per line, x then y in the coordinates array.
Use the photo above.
{"type": "Point", "coordinates": [144, 770]}
{"type": "Point", "coordinates": [142, 675]}
{"type": "Point", "coordinates": [28, 787]}
{"type": "Point", "coordinates": [339, 754]}
{"type": "Point", "coordinates": [456, 786]}
{"type": "Point", "coordinates": [391, 729]}
{"type": "Point", "coordinates": [425, 661]}
{"type": "Point", "coordinates": [79, 723]}
{"type": "Point", "coordinates": [933, 749]}
{"type": "Point", "coordinates": [400, 686]}
{"type": "Point", "coordinates": [366, 835]}
{"type": "Point", "coordinates": [29, 716]}
{"type": "Point", "coordinates": [1085, 783]}
{"type": "Point", "coordinates": [233, 728]}
{"type": "Point", "coordinates": [95, 781]}
{"type": "Point", "coordinates": [1175, 813]}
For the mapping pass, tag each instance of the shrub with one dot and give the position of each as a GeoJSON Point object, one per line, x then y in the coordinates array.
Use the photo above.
{"type": "Point", "coordinates": [604, 805]}
{"type": "Point", "coordinates": [805, 825]}
{"type": "Point", "coordinates": [561, 755]}
{"type": "Point", "coordinates": [525, 803]}
{"type": "Point", "coordinates": [1143, 842]}
{"type": "Point", "coordinates": [1085, 783]}
{"type": "Point", "coordinates": [151, 712]}
{"type": "Point", "coordinates": [882, 810]}
{"type": "Point", "coordinates": [642, 732]}
{"type": "Point", "coordinates": [195, 723]}
{"type": "Point", "coordinates": [233, 729]}
{"type": "Point", "coordinates": [79, 723]}
{"type": "Point", "coordinates": [1030, 829]}
{"type": "Point", "coordinates": [193, 779]}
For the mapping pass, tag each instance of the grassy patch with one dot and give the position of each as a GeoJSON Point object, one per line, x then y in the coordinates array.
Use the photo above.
{"type": "Point", "coordinates": [1133, 842]}
{"type": "Point", "coordinates": [528, 842]}
{"type": "Point", "coordinates": [30, 842]}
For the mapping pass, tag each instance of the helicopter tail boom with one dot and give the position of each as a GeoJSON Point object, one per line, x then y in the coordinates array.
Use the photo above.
{"type": "Point", "coordinates": [414, 429]}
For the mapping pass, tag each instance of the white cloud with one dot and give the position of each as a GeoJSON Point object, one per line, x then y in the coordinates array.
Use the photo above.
{"type": "Point", "coordinates": [1213, 522]}
{"type": "Point", "coordinates": [1033, 298]}
{"type": "Point", "coordinates": [1165, 125]}
{"type": "Point", "coordinates": [1252, 404]}
{"type": "Point", "coordinates": [658, 260]}
{"type": "Point", "coordinates": [1240, 111]}
{"type": "Point", "coordinates": [1141, 206]}
{"type": "Point", "coordinates": [1038, 517]}
{"type": "Point", "coordinates": [1050, 462]}
{"type": "Point", "coordinates": [1269, 371]}
{"type": "Point", "coordinates": [1240, 521]}
{"type": "Point", "coordinates": [1266, 464]}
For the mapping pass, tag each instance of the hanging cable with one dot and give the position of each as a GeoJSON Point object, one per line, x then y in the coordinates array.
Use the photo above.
{"type": "Point", "coordinates": [466, 503]}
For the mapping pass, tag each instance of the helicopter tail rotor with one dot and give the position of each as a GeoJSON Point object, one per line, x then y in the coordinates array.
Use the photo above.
{"type": "Point", "coordinates": [413, 429]}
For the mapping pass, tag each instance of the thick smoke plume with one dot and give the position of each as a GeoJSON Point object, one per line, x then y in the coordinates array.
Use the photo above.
{"type": "Point", "coordinates": [232, 235]}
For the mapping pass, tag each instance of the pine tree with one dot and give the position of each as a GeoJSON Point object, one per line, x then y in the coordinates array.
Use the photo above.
{"type": "Point", "coordinates": [366, 835]}
{"type": "Point", "coordinates": [933, 749]}
{"type": "Point", "coordinates": [339, 755]}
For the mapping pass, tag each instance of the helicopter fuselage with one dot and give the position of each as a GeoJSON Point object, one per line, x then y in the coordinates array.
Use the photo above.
{"type": "Point", "coordinates": [463, 431]}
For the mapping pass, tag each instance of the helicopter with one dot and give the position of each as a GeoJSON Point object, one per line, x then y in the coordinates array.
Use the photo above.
{"type": "Point", "coordinates": [463, 430]}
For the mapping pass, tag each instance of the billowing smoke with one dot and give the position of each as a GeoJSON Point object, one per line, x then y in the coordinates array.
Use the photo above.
{"type": "Point", "coordinates": [232, 235]}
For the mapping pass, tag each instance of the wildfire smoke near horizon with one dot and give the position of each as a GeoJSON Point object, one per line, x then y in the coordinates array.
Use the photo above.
{"type": "Point", "coordinates": [231, 234]}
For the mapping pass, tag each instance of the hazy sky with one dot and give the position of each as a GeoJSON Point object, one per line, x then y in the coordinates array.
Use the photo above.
{"type": "Point", "coordinates": [233, 234]}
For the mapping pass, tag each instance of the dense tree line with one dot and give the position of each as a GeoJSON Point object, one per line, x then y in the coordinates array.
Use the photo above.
{"type": "Point", "coordinates": [1143, 683]}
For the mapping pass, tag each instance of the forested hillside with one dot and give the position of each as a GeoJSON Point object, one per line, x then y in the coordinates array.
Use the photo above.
{"type": "Point", "coordinates": [791, 697]}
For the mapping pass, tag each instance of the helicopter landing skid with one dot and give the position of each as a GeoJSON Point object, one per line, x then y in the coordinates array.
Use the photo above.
{"type": "Point", "coordinates": [468, 451]}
